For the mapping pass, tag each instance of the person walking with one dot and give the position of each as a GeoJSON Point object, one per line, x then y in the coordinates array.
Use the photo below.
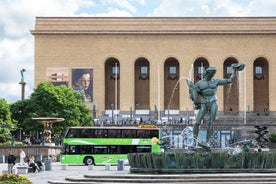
{"type": "Point", "coordinates": [11, 162]}
{"type": "Point", "coordinates": [22, 157]}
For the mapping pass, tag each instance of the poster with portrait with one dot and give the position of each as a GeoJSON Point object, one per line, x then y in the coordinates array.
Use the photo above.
{"type": "Point", "coordinates": [58, 76]}
{"type": "Point", "coordinates": [82, 81]}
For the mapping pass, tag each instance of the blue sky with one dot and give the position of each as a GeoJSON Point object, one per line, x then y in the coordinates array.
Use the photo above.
{"type": "Point", "coordinates": [18, 18]}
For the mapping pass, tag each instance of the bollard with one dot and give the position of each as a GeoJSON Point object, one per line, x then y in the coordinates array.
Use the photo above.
{"type": "Point", "coordinates": [64, 167]}
{"type": "Point", "coordinates": [107, 166]}
{"type": "Point", "coordinates": [120, 165]}
{"type": "Point", "coordinates": [90, 167]}
{"type": "Point", "coordinates": [48, 164]}
{"type": "Point", "coordinates": [2, 158]}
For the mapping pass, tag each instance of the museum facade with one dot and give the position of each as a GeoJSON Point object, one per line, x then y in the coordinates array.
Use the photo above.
{"type": "Point", "coordinates": [137, 66]}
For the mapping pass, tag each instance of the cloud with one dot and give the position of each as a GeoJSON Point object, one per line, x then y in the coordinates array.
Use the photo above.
{"type": "Point", "coordinates": [17, 44]}
{"type": "Point", "coordinates": [111, 12]}
{"type": "Point", "coordinates": [18, 18]}
{"type": "Point", "coordinates": [124, 4]}
{"type": "Point", "coordinates": [215, 8]}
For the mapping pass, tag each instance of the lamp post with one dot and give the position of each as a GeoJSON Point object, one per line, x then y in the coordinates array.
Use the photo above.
{"type": "Point", "coordinates": [136, 108]}
{"type": "Point", "coordinates": [20, 136]}
{"type": "Point", "coordinates": [22, 83]}
{"type": "Point", "coordinates": [112, 112]}
{"type": "Point", "coordinates": [131, 114]}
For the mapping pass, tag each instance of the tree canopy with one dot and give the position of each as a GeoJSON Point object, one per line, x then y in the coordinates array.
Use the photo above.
{"type": "Point", "coordinates": [52, 101]}
{"type": "Point", "coordinates": [5, 121]}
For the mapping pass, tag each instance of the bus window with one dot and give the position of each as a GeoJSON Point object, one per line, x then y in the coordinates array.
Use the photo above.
{"type": "Point", "coordinates": [100, 133]}
{"type": "Point", "coordinates": [73, 133]}
{"type": "Point", "coordinates": [128, 133]}
{"type": "Point", "coordinates": [143, 148]}
{"type": "Point", "coordinates": [141, 134]}
{"type": "Point", "coordinates": [154, 133]}
{"type": "Point", "coordinates": [86, 133]}
{"type": "Point", "coordinates": [72, 149]}
{"type": "Point", "coordinates": [128, 149]}
{"type": "Point", "coordinates": [84, 149]}
{"type": "Point", "coordinates": [100, 149]}
{"type": "Point", "coordinates": [114, 133]}
{"type": "Point", "coordinates": [113, 149]}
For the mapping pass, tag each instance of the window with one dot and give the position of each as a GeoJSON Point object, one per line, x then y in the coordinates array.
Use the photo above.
{"type": "Point", "coordinates": [100, 149]}
{"type": "Point", "coordinates": [200, 69]}
{"type": "Point", "coordinates": [258, 70]}
{"type": "Point", "coordinates": [100, 133]}
{"type": "Point", "coordinates": [229, 70]}
{"type": "Point", "coordinates": [172, 70]}
{"type": "Point", "coordinates": [73, 133]}
{"type": "Point", "coordinates": [127, 133]}
{"type": "Point", "coordinates": [143, 149]}
{"type": "Point", "coordinates": [115, 70]}
{"type": "Point", "coordinates": [114, 133]}
{"type": "Point", "coordinates": [144, 70]}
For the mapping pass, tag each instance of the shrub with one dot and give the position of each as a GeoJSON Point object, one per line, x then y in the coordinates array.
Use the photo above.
{"type": "Point", "coordinates": [272, 137]}
{"type": "Point", "coordinates": [9, 143]}
{"type": "Point", "coordinates": [14, 179]}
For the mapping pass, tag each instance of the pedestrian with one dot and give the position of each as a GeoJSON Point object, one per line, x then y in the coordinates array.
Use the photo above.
{"type": "Point", "coordinates": [11, 162]}
{"type": "Point", "coordinates": [22, 157]}
{"type": "Point", "coordinates": [33, 164]}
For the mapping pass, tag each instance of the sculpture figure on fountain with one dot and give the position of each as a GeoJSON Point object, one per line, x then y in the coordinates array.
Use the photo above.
{"type": "Point", "coordinates": [206, 88]}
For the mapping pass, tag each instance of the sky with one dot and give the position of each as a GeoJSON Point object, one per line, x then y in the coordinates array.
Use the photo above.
{"type": "Point", "coordinates": [17, 18]}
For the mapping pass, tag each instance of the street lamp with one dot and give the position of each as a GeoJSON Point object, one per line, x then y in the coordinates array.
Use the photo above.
{"type": "Point", "coordinates": [22, 83]}
{"type": "Point", "coordinates": [20, 130]}
{"type": "Point", "coordinates": [112, 112]}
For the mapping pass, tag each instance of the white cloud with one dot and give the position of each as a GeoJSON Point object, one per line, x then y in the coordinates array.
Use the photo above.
{"type": "Point", "coordinates": [18, 18]}
{"type": "Point", "coordinates": [111, 12]}
{"type": "Point", "coordinates": [262, 7]}
{"type": "Point", "coordinates": [215, 8]}
{"type": "Point", "coordinates": [124, 4]}
{"type": "Point", "coordinates": [16, 43]}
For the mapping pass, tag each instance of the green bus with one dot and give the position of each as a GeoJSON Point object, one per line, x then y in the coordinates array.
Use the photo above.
{"type": "Point", "coordinates": [106, 145]}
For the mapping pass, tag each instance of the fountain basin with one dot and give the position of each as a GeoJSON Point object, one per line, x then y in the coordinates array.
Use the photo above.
{"type": "Point", "coordinates": [195, 162]}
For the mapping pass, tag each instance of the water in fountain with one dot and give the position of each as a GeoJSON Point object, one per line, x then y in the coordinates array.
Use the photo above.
{"type": "Point", "coordinates": [177, 83]}
{"type": "Point", "coordinates": [173, 91]}
{"type": "Point", "coordinates": [186, 136]}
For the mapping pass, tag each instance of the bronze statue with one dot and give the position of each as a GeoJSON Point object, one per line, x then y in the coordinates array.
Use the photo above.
{"type": "Point", "coordinates": [207, 88]}
{"type": "Point", "coordinates": [22, 74]}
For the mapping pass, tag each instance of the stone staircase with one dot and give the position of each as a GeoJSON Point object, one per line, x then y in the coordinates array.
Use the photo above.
{"type": "Point", "coordinates": [218, 178]}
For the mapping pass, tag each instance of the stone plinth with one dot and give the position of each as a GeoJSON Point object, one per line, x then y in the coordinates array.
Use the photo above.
{"type": "Point", "coordinates": [22, 169]}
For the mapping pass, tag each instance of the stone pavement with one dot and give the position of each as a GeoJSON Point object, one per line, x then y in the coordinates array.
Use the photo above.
{"type": "Point", "coordinates": [102, 174]}
{"type": "Point", "coordinates": [60, 172]}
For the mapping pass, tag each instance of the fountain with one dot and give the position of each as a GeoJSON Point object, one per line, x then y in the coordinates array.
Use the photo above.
{"type": "Point", "coordinates": [200, 157]}
{"type": "Point", "coordinates": [48, 122]}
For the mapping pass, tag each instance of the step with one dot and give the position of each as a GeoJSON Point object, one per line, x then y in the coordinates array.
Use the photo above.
{"type": "Point", "coordinates": [188, 178]}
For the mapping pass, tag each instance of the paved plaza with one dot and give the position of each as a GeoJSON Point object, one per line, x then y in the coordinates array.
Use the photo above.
{"type": "Point", "coordinates": [60, 172]}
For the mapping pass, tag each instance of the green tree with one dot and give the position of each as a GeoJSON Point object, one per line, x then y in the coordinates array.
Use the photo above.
{"type": "Point", "coordinates": [5, 121]}
{"type": "Point", "coordinates": [52, 101]}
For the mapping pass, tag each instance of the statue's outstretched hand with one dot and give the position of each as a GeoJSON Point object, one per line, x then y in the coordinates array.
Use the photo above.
{"type": "Point", "coordinates": [238, 67]}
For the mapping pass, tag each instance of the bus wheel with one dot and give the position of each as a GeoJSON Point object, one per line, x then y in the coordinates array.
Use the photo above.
{"type": "Point", "coordinates": [89, 161]}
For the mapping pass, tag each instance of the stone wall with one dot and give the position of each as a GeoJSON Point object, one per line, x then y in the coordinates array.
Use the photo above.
{"type": "Point", "coordinates": [47, 152]}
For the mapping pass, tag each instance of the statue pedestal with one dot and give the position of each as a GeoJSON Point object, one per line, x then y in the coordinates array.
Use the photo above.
{"type": "Point", "coordinates": [22, 169]}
